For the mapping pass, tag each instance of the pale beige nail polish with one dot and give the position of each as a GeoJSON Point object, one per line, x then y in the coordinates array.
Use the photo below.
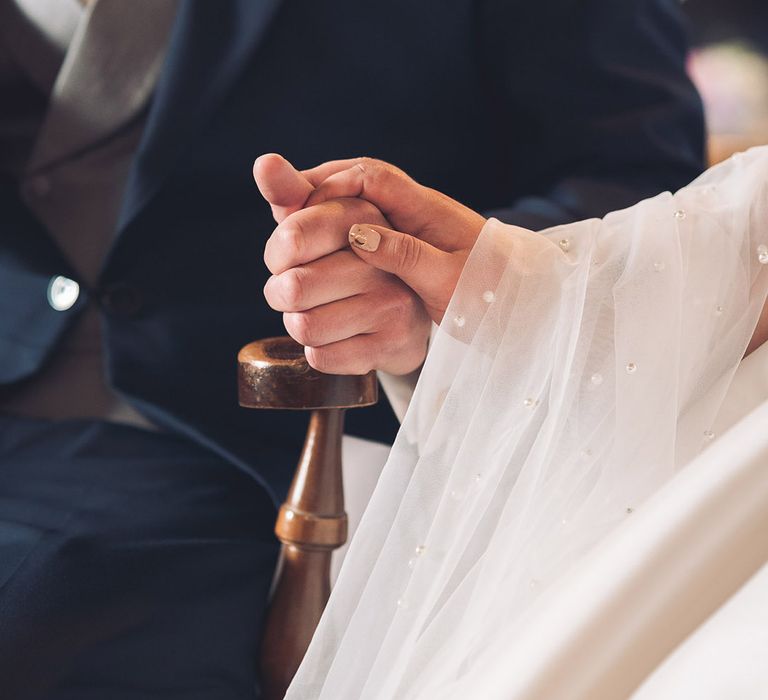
{"type": "Point", "coordinates": [364, 237]}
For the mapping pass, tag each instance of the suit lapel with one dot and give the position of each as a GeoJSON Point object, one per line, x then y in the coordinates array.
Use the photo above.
{"type": "Point", "coordinates": [210, 45]}
{"type": "Point", "coordinates": [107, 76]}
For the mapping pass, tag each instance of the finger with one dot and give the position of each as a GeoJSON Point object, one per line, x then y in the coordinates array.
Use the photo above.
{"type": "Point", "coordinates": [389, 188]}
{"type": "Point", "coordinates": [336, 276]}
{"type": "Point", "coordinates": [363, 353]}
{"type": "Point", "coordinates": [384, 305]}
{"type": "Point", "coordinates": [284, 187]}
{"type": "Point", "coordinates": [430, 272]}
{"type": "Point", "coordinates": [322, 172]}
{"type": "Point", "coordinates": [315, 232]}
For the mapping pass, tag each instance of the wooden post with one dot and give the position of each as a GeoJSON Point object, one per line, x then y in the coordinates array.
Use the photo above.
{"type": "Point", "coordinates": [273, 373]}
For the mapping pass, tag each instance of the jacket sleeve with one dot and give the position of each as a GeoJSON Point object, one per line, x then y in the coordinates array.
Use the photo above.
{"type": "Point", "coordinates": [600, 91]}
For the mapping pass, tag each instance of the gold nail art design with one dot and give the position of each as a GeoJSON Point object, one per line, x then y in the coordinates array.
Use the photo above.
{"type": "Point", "coordinates": [364, 237]}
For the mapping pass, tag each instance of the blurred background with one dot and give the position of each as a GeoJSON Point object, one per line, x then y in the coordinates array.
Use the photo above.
{"type": "Point", "coordinates": [729, 65]}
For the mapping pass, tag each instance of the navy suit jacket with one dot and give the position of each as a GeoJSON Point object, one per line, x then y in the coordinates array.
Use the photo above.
{"type": "Point", "coordinates": [539, 113]}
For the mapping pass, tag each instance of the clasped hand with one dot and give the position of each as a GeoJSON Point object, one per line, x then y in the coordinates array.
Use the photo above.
{"type": "Point", "coordinates": [362, 258]}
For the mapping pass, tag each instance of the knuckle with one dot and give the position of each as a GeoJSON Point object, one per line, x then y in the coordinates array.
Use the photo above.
{"type": "Point", "coordinates": [375, 172]}
{"type": "Point", "coordinates": [386, 346]}
{"type": "Point", "coordinates": [407, 252]}
{"type": "Point", "coordinates": [269, 292]}
{"type": "Point", "coordinates": [393, 296]}
{"type": "Point", "coordinates": [319, 359]}
{"type": "Point", "coordinates": [407, 348]}
{"type": "Point", "coordinates": [374, 168]}
{"type": "Point", "coordinates": [405, 318]}
{"type": "Point", "coordinates": [361, 361]}
{"type": "Point", "coordinates": [338, 359]}
{"type": "Point", "coordinates": [300, 327]}
{"type": "Point", "coordinates": [291, 288]}
{"type": "Point", "coordinates": [366, 163]}
{"type": "Point", "coordinates": [290, 242]}
{"type": "Point", "coordinates": [389, 173]}
{"type": "Point", "coordinates": [405, 304]}
{"type": "Point", "coordinates": [269, 254]}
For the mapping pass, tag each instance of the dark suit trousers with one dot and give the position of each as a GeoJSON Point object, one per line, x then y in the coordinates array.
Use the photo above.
{"type": "Point", "coordinates": [133, 566]}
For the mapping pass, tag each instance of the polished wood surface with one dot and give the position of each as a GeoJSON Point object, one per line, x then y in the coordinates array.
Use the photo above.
{"type": "Point", "coordinates": [273, 373]}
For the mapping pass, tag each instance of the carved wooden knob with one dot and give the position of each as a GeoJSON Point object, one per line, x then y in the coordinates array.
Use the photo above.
{"type": "Point", "coordinates": [274, 373]}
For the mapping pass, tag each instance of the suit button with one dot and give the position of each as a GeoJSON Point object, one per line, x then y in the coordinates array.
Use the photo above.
{"type": "Point", "coordinates": [121, 300]}
{"type": "Point", "coordinates": [62, 293]}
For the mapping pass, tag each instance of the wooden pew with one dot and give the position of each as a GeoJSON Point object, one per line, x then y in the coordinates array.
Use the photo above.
{"type": "Point", "coordinates": [273, 373]}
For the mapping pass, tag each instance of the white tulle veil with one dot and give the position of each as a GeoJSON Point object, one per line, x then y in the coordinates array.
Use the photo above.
{"type": "Point", "coordinates": [575, 371]}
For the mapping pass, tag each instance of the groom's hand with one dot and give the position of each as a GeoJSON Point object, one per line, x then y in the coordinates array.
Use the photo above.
{"type": "Point", "coordinates": [350, 316]}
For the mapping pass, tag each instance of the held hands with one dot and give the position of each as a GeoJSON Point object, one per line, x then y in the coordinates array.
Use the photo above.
{"type": "Point", "coordinates": [350, 316]}
{"type": "Point", "coordinates": [332, 252]}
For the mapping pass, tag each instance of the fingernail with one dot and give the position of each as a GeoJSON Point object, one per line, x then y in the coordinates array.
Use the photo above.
{"type": "Point", "coordinates": [364, 237]}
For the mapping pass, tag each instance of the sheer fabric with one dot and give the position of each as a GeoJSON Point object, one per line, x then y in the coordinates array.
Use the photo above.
{"type": "Point", "coordinates": [574, 373]}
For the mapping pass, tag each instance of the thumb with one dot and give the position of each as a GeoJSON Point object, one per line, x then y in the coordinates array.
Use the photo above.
{"type": "Point", "coordinates": [430, 272]}
{"type": "Point", "coordinates": [284, 187]}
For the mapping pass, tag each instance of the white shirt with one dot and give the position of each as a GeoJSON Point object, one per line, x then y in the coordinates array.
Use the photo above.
{"type": "Point", "coordinates": [55, 19]}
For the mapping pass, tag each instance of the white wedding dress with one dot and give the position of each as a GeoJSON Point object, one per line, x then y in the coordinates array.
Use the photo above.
{"type": "Point", "coordinates": [558, 514]}
{"type": "Point", "coordinates": [727, 656]}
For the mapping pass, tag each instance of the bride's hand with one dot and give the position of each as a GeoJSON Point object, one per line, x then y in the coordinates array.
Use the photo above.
{"type": "Point", "coordinates": [441, 232]}
{"type": "Point", "coordinates": [430, 272]}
